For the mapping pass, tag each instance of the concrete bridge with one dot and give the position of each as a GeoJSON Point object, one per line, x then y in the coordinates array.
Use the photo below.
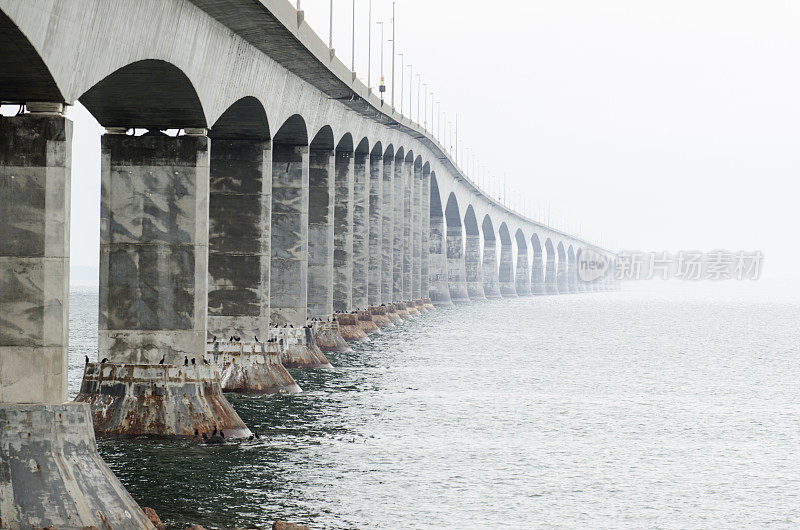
{"type": "Point", "coordinates": [284, 192]}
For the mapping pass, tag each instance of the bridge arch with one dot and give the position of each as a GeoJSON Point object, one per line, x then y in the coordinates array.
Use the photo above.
{"type": "Point", "coordinates": [472, 255]}
{"type": "Point", "coordinates": [24, 76]}
{"type": "Point", "coordinates": [289, 237]}
{"type": "Point", "coordinates": [151, 94]}
{"type": "Point", "coordinates": [561, 270]}
{"type": "Point", "coordinates": [550, 279]}
{"type": "Point", "coordinates": [523, 274]}
{"type": "Point", "coordinates": [508, 288]}
{"type": "Point", "coordinates": [537, 267]}
{"type": "Point", "coordinates": [490, 275]}
{"type": "Point", "coordinates": [238, 222]}
{"type": "Point", "coordinates": [456, 271]}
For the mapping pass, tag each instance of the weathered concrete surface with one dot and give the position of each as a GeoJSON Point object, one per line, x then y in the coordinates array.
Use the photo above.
{"type": "Point", "coordinates": [550, 282]}
{"type": "Point", "coordinates": [402, 310]}
{"type": "Point", "coordinates": [399, 226]}
{"type": "Point", "coordinates": [375, 229]}
{"type": "Point", "coordinates": [392, 313]}
{"type": "Point", "coordinates": [508, 288]}
{"type": "Point", "coordinates": [425, 221]}
{"type": "Point", "coordinates": [387, 235]}
{"type": "Point", "coordinates": [289, 247]}
{"type": "Point", "coordinates": [472, 264]}
{"type": "Point", "coordinates": [349, 328]}
{"type": "Point", "coordinates": [523, 274]}
{"type": "Point", "coordinates": [343, 233]}
{"type": "Point", "coordinates": [380, 316]}
{"type": "Point", "coordinates": [153, 247]}
{"type": "Point", "coordinates": [34, 257]}
{"type": "Point", "coordinates": [456, 268]}
{"type": "Point", "coordinates": [239, 238]}
{"type": "Point", "coordinates": [416, 231]}
{"type": "Point", "coordinates": [439, 290]}
{"type": "Point", "coordinates": [328, 337]}
{"type": "Point", "coordinates": [562, 279]}
{"type": "Point", "coordinates": [251, 368]}
{"type": "Point", "coordinates": [537, 274]}
{"type": "Point", "coordinates": [429, 304]}
{"type": "Point", "coordinates": [365, 322]}
{"type": "Point", "coordinates": [408, 220]}
{"type": "Point", "coordinates": [491, 279]}
{"type": "Point", "coordinates": [320, 232]}
{"type": "Point", "coordinates": [296, 352]}
{"type": "Point", "coordinates": [52, 476]}
{"type": "Point", "coordinates": [157, 400]}
{"type": "Point", "coordinates": [360, 274]}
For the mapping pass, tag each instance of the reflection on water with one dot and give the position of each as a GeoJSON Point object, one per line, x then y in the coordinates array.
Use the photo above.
{"type": "Point", "coordinates": [595, 410]}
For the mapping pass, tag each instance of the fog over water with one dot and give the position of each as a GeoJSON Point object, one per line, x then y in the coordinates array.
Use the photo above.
{"type": "Point", "coordinates": [668, 410]}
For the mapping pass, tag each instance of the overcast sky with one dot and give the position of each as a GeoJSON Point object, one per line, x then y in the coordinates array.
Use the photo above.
{"type": "Point", "coordinates": [662, 125]}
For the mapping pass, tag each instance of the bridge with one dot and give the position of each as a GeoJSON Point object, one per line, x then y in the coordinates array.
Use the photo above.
{"type": "Point", "coordinates": [252, 186]}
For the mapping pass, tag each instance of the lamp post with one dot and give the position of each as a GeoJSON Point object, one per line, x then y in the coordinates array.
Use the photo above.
{"type": "Point", "coordinates": [369, 49]}
{"type": "Point", "coordinates": [425, 118]}
{"type": "Point", "coordinates": [401, 82]}
{"type": "Point", "coordinates": [330, 31]}
{"type": "Point", "coordinates": [410, 90]}
{"type": "Point", "coordinates": [353, 47]}
{"type": "Point", "coordinates": [419, 80]}
{"type": "Point", "coordinates": [381, 87]}
{"type": "Point", "coordinates": [392, 55]}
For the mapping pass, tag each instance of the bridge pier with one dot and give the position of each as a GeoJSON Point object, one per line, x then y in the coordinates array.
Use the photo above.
{"type": "Point", "coordinates": [375, 229]}
{"type": "Point", "coordinates": [398, 227]}
{"type": "Point", "coordinates": [153, 291]}
{"type": "Point", "coordinates": [239, 238]}
{"type": "Point", "coordinates": [426, 232]}
{"type": "Point", "coordinates": [50, 471]}
{"type": "Point", "coordinates": [439, 290]}
{"type": "Point", "coordinates": [343, 232]}
{"type": "Point", "coordinates": [537, 274]}
{"type": "Point", "coordinates": [508, 288]}
{"type": "Point", "coordinates": [320, 232]}
{"type": "Point", "coordinates": [456, 270]}
{"type": "Point", "coordinates": [550, 281]}
{"type": "Point", "coordinates": [523, 275]}
{"type": "Point", "coordinates": [407, 220]}
{"type": "Point", "coordinates": [387, 229]}
{"type": "Point", "coordinates": [472, 262]}
{"type": "Point", "coordinates": [416, 232]}
{"type": "Point", "coordinates": [360, 274]}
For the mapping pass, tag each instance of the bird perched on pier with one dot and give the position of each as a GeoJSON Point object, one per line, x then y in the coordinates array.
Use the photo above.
{"type": "Point", "coordinates": [214, 338]}
{"type": "Point", "coordinates": [214, 432]}
{"type": "Point", "coordinates": [196, 433]}
{"type": "Point", "coordinates": [231, 339]}
{"type": "Point", "coordinates": [221, 434]}
{"type": "Point", "coordinates": [193, 363]}
{"type": "Point", "coordinates": [286, 325]}
{"type": "Point", "coordinates": [185, 360]}
{"type": "Point", "coordinates": [205, 437]}
{"type": "Point", "coordinates": [86, 359]}
{"type": "Point", "coordinates": [205, 361]}
{"type": "Point", "coordinates": [256, 336]}
{"type": "Point", "coordinates": [162, 359]}
{"type": "Point", "coordinates": [104, 361]}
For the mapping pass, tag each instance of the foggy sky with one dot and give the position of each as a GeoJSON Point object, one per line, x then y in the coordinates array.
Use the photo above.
{"type": "Point", "coordinates": [660, 125]}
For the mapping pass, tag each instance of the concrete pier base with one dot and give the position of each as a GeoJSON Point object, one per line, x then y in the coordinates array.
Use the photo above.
{"type": "Point", "coordinates": [428, 304]}
{"type": "Point", "coordinates": [402, 312]}
{"type": "Point", "coordinates": [327, 337]}
{"type": "Point", "coordinates": [366, 323]}
{"type": "Point", "coordinates": [380, 316]}
{"type": "Point", "coordinates": [164, 401]}
{"type": "Point", "coordinates": [349, 328]}
{"type": "Point", "coordinates": [297, 348]}
{"type": "Point", "coordinates": [412, 309]}
{"type": "Point", "coordinates": [51, 475]}
{"type": "Point", "coordinates": [392, 314]}
{"type": "Point", "coordinates": [251, 368]}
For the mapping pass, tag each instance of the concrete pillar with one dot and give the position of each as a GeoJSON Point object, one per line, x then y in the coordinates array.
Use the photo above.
{"type": "Point", "coordinates": [439, 290]}
{"type": "Point", "coordinates": [35, 162]}
{"type": "Point", "coordinates": [289, 247]}
{"type": "Point", "coordinates": [472, 263]}
{"type": "Point", "coordinates": [361, 181]}
{"type": "Point", "coordinates": [343, 233]}
{"type": "Point", "coordinates": [491, 279]}
{"type": "Point", "coordinates": [320, 232]}
{"type": "Point", "coordinates": [408, 222]}
{"type": "Point", "coordinates": [153, 248]}
{"type": "Point", "coordinates": [562, 278]}
{"type": "Point", "coordinates": [508, 288]}
{"type": "Point", "coordinates": [523, 275]}
{"type": "Point", "coordinates": [425, 220]}
{"type": "Point", "coordinates": [551, 287]}
{"type": "Point", "coordinates": [399, 228]}
{"type": "Point", "coordinates": [50, 472]}
{"type": "Point", "coordinates": [153, 292]}
{"type": "Point", "coordinates": [375, 228]}
{"type": "Point", "coordinates": [387, 231]}
{"type": "Point", "coordinates": [416, 234]}
{"type": "Point", "coordinates": [537, 274]}
{"type": "Point", "coordinates": [456, 269]}
{"type": "Point", "coordinates": [572, 276]}
{"type": "Point", "coordinates": [239, 238]}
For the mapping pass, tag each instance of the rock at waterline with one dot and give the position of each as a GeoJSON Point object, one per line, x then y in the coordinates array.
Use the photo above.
{"type": "Point", "coordinates": [154, 518]}
{"type": "Point", "coordinates": [280, 525]}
